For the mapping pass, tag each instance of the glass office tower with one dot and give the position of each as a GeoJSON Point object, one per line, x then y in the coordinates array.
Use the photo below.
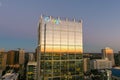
{"type": "Point", "coordinates": [60, 49]}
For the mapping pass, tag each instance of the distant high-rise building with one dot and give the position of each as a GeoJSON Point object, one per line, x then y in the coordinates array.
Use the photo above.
{"type": "Point", "coordinates": [108, 53]}
{"type": "Point", "coordinates": [60, 48]}
{"type": "Point", "coordinates": [12, 58]}
{"type": "Point", "coordinates": [21, 56]}
{"type": "Point", "coordinates": [16, 57]}
{"type": "Point", "coordinates": [3, 58]}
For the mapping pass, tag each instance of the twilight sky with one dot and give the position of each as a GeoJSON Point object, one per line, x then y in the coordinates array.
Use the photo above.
{"type": "Point", "coordinates": [19, 19]}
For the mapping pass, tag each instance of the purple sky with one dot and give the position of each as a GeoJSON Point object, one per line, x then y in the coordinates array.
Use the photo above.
{"type": "Point", "coordinates": [19, 19]}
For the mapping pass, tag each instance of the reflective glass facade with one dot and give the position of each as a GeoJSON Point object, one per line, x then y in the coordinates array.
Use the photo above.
{"type": "Point", "coordinates": [60, 49]}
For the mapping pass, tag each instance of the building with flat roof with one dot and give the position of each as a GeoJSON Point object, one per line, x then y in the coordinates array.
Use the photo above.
{"type": "Point", "coordinates": [60, 48]}
{"type": "Point", "coordinates": [101, 64]}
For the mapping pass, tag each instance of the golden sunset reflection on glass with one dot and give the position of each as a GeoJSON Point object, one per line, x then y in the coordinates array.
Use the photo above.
{"type": "Point", "coordinates": [62, 49]}
{"type": "Point", "coordinates": [62, 38]}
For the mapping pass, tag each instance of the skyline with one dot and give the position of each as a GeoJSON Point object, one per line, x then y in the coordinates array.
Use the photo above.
{"type": "Point", "coordinates": [19, 22]}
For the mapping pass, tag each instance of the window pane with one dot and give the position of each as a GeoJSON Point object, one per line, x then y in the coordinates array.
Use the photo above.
{"type": "Point", "coordinates": [78, 28]}
{"type": "Point", "coordinates": [63, 38]}
{"type": "Point", "coordinates": [71, 56]}
{"type": "Point", "coordinates": [49, 48]}
{"type": "Point", "coordinates": [78, 56]}
{"type": "Point", "coordinates": [71, 49]}
{"type": "Point", "coordinates": [49, 37]}
{"type": "Point", "coordinates": [64, 48]}
{"type": "Point", "coordinates": [56, 56]}
{"type": "Point", "coordinates": [78, 40]}
{"type": "Point", "coordinates": [49, 26]}
{"type": "Point", "coordinates": [71, 38]}
{"type": "Point", "coordinates": [63, 41]}
{"type": "Point", "coordinates": [64, 28]}
{"type": "Point", "coordinates": [71, 27]}
{"type": "Point", "coordinates": [56, 49]}
{"type": "Point", "coordinates": [56, 37]}
{"type": "Point", "coordinates": [78, 35]}
{"type": "Point", "coordinates": [57, 27]}
{"type": "Point", "coordinates": [79, 49]}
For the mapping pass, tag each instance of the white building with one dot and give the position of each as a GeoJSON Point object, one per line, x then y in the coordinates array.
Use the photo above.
{"type": "Point", "coordinates": [100, 64]}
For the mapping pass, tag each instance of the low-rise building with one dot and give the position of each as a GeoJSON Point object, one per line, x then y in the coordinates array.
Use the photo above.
{"type": "Point", "coordinates": [100, 64]}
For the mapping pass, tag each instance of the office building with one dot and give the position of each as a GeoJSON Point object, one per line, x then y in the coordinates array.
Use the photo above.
{"type": "Point", "coordinates": [31, 71]}
{"type": "Point", "coordinates": [100, 64]}
{"type": "Point", "coordinates": [60, 48]}
{"type": "Point", "coordinates": [108, 53]}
